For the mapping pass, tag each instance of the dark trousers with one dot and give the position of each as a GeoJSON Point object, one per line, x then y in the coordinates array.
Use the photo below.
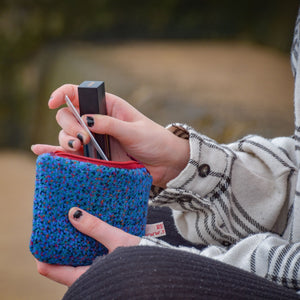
{"type": "Point", "coordinates": [143, 272]}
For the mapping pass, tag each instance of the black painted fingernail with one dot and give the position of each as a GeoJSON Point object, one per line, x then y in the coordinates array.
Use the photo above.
{"type": "Point", "coordinates": [80, 137]}
{"type": "Point", "coordinates": [70, 143]}
{"type": "Point", "coordinates": [90, 121]}
{"type": "Point", "coordinates": [77, 214]}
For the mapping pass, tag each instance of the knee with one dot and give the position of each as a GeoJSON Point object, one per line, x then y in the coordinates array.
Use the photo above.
{"type": "Point", "coordinates": [125, 259]}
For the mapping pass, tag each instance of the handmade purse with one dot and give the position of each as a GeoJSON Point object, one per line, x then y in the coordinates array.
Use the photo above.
{"type": "Point", "coordinates": [116, 192]}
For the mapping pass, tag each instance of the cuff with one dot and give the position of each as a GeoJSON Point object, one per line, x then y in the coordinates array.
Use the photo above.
{"type": "Point", "coordinates": [150, 241]}
{"type": "Point", "coordinates": [204, 178]}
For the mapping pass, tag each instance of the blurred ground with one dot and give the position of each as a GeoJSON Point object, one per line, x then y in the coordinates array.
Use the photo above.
{"type": "Point", "coordinates": [225, 90]}
{"type": "Point", "coordinates": [18, 276]}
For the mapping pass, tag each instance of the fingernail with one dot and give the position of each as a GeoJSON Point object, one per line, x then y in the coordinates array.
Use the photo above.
{"type": "Point", "coordinates": [77, 214]}
{"type": "Point", "coordinates": [70, 143]}
{"type": "Point", "coordinates": [80, 137]}
{"type": "Point", "coordinates": [90, 121]}
{"type": "Point", "coordinates": [51, 97]}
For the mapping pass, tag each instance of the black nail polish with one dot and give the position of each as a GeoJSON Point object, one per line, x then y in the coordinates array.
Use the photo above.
{"type": "Point", "coordinates": [77, 214]}
{"type": "Point", "coordinates": [70, 143]}
{"type": "Point", "coordinates": [79, 136]}
{"type": "Point", "coordinates": [90, 121]}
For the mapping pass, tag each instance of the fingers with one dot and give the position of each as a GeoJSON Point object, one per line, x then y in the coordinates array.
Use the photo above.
{"type": "Point", "coordinates": [71, 127]}
{"type": "Point", "coordinates": [68, 142]}
{"type": "Point", "coordinates": [121, 109]}
{"type": "Point", "coordinates": [57, 98]}
{"type": "Point", "coordinates": [117, 108]}
{"type": "Point", "coordinates": [66, 275]}
{"type": "Point", "coordinates": [114, 103]}
{"type": "Point", "coordinates": [39, 149]}
{"type": "Point", "coordinates": [110, 236]}
{"type": "Point", "coordinates": [121, 130]}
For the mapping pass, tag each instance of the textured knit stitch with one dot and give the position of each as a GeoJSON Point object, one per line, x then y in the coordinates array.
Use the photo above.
{"type": "Point", "coordinates": [118, 196]}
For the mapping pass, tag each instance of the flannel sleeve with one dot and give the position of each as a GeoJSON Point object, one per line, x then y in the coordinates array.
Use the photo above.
{"type": "Point", "coordinates": [264, 254]}
{"type": "Point", "coordinates": [228, 192]}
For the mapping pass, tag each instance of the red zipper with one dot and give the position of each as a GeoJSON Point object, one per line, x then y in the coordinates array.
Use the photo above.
{"type": "Point", "coordinates": [115, 164]}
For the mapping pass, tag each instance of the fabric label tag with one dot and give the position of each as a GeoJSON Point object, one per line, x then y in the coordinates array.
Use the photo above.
{"type": "Point", "coordinates": [155, 230]}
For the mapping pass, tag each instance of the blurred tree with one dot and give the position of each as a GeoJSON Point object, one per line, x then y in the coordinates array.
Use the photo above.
{"type": "Point", "coordinates": [28, 25]}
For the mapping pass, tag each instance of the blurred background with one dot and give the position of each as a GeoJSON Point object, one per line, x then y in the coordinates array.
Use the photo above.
{"type": "Point", "coordinates": [221, 66]}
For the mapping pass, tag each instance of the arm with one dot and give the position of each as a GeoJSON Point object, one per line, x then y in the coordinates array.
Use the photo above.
{"type": "Point", "coordinates": [245, 191]}
{"type": "Point", "coordinates": [265, 254]}
{"type": "Point", "coordinates": [198, 178]}
{"type": "Point", "coordinates": [219, 193]}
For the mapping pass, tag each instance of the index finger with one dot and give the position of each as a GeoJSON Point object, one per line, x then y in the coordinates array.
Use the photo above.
{"type": "Point", "coordinates": [66, 275]}
{"type": "Point", "coordinates": [57, 98]}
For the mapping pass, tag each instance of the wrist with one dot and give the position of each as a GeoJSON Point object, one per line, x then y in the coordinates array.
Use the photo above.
{"type": "Point", "coordinates": [178, 154]}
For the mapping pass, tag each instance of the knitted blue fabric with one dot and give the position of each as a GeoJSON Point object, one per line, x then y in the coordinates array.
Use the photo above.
{"type": "Point", "coordinates": [116, 192]}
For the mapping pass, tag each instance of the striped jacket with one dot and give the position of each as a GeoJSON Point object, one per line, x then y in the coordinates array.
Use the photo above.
{"type": "Point", "coordinates": [242, 199]}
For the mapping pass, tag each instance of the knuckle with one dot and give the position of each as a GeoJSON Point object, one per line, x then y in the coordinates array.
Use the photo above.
{"type": "Point", "coordinates": [61, 138]}
{"type": "Point", "coordinates": [59, 114]}
{"type": "Point", "coordinates": [108, 125]}
{"type": "Point", "coordinates": [104, 125]}
{"type": "Point", "coordinates": [64, 86]}
{"type": "Point", "coordinates": [42, 269]}
{"type": "Point", "coordinates": [93, 226]}
{"type": "Point", "coordinates": [69, 87]}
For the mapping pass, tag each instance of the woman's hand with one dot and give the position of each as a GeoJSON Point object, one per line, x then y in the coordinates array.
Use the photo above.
{"type": "Point", "coordinates": [162, 153]}
{"type": "Point", "coordinates": [111, 237]}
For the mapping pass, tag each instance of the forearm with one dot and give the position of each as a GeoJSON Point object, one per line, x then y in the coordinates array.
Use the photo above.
{"type": "Point", "coordinates": [255, 254]}
{"type": "Point", "coordinates": [227, 192]}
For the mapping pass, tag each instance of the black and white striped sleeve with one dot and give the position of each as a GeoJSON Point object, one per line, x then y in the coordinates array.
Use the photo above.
{"type": "Point", "coordinates": [267, 255]}
{"type": "Point", "coordinates": [228, 192]}
{"type": "Point", "coordinates": [264, 254]}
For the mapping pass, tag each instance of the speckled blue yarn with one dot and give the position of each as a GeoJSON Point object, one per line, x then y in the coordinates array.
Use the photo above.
{"type": "Point", "coordinates": [116, 195]}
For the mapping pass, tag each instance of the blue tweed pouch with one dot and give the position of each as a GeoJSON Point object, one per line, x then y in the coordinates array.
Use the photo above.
{"type": "Point", "coordinates": [116, 192]}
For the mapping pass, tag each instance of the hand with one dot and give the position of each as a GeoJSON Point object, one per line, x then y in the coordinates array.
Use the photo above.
{"type": "Point", "coordinates": [111, 237]}
{"type": "Point", "coordinates": [162, 153]}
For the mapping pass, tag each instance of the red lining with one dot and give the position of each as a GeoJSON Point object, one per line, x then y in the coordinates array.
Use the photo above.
{"type": "Point", "coordinates": [115, 164]}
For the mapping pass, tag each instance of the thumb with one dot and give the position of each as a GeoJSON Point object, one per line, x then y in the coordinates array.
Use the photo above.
{"type": "Point", "coordinates": [39, 149]}
{"type": "Point", "coordinates": [111, 237]}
